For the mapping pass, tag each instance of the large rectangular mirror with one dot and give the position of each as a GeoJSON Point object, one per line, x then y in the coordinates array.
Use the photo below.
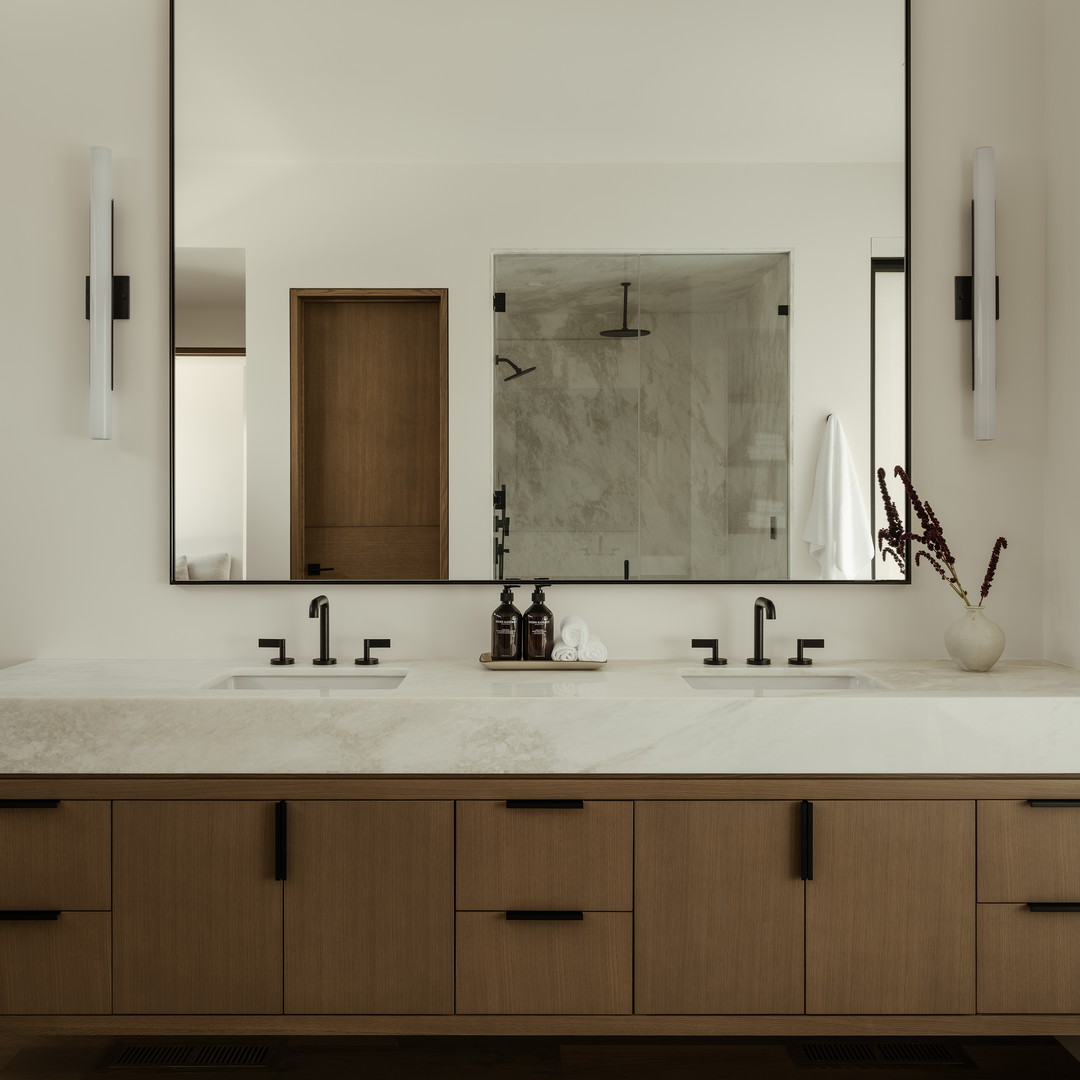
{"type": "Point", "coordinates": [358, 189]}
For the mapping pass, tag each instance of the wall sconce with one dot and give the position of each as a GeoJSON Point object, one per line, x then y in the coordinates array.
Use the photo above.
{"type": "Point", "coordinates": [107, 297]}
{"type": "Point", "coordinates": [977, 297]}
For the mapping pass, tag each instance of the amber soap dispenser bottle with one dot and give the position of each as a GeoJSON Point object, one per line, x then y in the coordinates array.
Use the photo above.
{"type": "Point", "coordinates": [539, 628]}
{"type": "Point", "coordinates": [506, 628]}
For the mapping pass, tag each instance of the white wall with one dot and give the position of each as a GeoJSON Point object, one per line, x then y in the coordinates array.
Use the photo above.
{"type": "Point", "coordinates": [1061, 594]}
{"type": "Point", "coordinates": [84, 543]}
{"type": "Point", "coordinates": [209, 328]}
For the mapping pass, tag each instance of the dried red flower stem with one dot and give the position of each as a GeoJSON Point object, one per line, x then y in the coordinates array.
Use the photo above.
{"type": "Point", "coordinates": [934, 549]}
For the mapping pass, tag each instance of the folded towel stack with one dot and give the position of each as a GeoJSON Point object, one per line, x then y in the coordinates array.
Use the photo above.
{"type": "Point", "coordinates": [575, 642]}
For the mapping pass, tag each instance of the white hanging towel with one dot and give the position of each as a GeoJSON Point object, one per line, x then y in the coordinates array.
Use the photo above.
{"type": "Point", "coordinates": [838, 528]}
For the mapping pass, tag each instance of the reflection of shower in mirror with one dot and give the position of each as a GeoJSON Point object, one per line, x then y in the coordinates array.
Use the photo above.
{"type": "Point", "coordinates": [518, 372]}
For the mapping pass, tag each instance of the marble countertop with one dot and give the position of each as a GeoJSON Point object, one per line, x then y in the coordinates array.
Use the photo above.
{"type": "Point", "coordinates": [445, 717]}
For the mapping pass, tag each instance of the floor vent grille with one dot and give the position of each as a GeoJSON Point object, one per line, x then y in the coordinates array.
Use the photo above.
{"type": "Point", "coordinates": [190, 1056]}
{"type": "Point", "coordinates": [876, 1054]}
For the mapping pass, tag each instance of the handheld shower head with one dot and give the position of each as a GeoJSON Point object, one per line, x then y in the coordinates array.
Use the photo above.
{"type": "Point", "coordinates": [518, 372]}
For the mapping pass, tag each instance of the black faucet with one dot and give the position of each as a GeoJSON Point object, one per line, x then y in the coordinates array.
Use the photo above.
{"type": "Point", "coordinates": [320, 609]}
{"type": "Point", "coordinates": [763, 609]}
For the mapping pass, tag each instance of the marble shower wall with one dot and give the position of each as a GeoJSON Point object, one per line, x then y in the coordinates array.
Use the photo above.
{"type": "Point", "coordinates": [669, 451]}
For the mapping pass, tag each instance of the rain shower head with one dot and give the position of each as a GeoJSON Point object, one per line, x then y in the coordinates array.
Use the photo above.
{"type": "Point", "coordinates": [624, 330]}
{"type": "Point", "coordinates": [518, 372]}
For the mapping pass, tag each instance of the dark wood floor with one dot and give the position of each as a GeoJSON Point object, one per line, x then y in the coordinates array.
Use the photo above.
{"type": "Point", "coordinates": [530, 1059]}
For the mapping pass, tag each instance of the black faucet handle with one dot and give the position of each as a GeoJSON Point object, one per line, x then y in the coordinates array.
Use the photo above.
{"type": "Point", "coordinates": [373, 643]}
{"type": "Point", "coordinates": [806, 643]}
{"type": "Point", "coordinates": [709, 643]}
{"type": "Point", "coordinates": [279, 644]}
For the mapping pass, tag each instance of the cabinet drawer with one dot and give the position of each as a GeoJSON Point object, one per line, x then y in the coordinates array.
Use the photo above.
{"type": "Point", "coordinates": [1028, 853]}
{"type": "Point", "coordinates": [545, 856]}
{"type": "Point", "coordinates": [554, 967]}
{"type": "Point", "coordinates": [57, 965]}
{"type": "Point", "coordinates": [55, 857]}
{"type": "Point", "coordinates": [1029, 961]}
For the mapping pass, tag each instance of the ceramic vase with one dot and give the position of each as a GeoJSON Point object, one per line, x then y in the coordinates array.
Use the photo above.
{"type": "Point", "coordinates": [973, 641]}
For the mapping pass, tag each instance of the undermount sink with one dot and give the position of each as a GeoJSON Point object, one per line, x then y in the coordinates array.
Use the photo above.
{"type": "Point", "coordinates": [293, 682]}
{"type": "Point", "coordinates": [741, 681]}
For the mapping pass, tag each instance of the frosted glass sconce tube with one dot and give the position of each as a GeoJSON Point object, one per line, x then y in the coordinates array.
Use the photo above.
{"type": "Point", "coordinates": [101, 293]}
{"type": "Point", "coordinates": [984, 292]}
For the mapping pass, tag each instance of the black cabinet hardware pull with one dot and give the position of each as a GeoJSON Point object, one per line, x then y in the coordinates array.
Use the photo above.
{"type": "Point", "coordinates": [281, 841]}
{"type": "Point", "coordinates": [1038, 803]}
{"type": "Point", "coordinates": [545, 804]}
{"type": "Point", "coordinates": [1053, 907]}
{"type": "Point", "coordinates": [538, 916]}
{"type": "Point", "coordinates": [29, 804]}
{"type": "Point", "coordinates": [806, 840]}
{"type": "Point", "coordinates": [29, 916]}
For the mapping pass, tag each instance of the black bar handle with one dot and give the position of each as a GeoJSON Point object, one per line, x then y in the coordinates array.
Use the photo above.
{"type": "Point", "coordinates": [29, 916]}
{"type": "Point", "coordinates": [540, 916]}
{"type": "Point", "coordinates": [545, 804]}
{"type": "Point", "coordinates": [281, 841]}
{"type": "Point", "coordinates": [29, 804]}
{"type": "Point", "coordinates": [1038, 803]}
{"type": "Point", "coordinates": [1053, 907]}
{"type": "Point", "coordinates": [806, 840]}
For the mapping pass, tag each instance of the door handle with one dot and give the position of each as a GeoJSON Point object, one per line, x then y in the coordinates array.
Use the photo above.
{"type": "Point", "coordinates": [806, 840]}
{"type": "Point", "coordinates": [543, 916]}
{"type": "Point", "coordinates": [545, 804]}
{"type": "Point", "coordinates": [1053, 907]}
{"type": "Point", "coordinates": [281, 841]}
{"type": "Point", "coordinates": [29, 916]}
{"type": "Point", "coordinates": [1041, 803]}
{"type": "Point", "coordinates": [29, 804]}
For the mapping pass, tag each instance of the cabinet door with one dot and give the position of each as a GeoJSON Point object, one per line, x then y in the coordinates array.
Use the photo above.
{"type": "Point", "coordinates": [718, 908]}
{"type": "Point", "coordinates": [369, 907]}
{"type": "Point", "coordinates": [890, 913]}
{"type": "Point", "coordinates": [196, 909]}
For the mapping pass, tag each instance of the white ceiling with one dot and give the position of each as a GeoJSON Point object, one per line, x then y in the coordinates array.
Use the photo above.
{"type": "Point", "coordinates": [551, 80]}
{"type": "Point", "coordinates": [210, 278]}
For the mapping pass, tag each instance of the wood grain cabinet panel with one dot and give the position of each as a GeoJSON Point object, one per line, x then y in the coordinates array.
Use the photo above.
{"type": "Point", "coordinates": [1029, 961]}
{"type": "Point", "coordinates": [556, 967]}
{"type": "Point", "coordinates": [56, 966]}
{"type": "Point", "coordinates": [55, 857]}
{"type": "Point", "coordinates": [545, 858]}
{"type": "Point", "coordinates": [1028, 853]}
{"type": "Point", "coordinates": [369, 907]}
{"type": "Point", "coordinates": [890, 913]}
{"type": "Point", "coordinates": [196, 910]}
{"type": "Point", "coordinates": [718, 912]}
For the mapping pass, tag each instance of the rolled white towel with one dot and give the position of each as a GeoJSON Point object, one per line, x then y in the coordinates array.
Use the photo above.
{"type": "Point", "coordinates": [563, 652]}
{"type": "Point", "coordinates": [574, 631]}
{"type": "Point", "coordinates": [594, 650]}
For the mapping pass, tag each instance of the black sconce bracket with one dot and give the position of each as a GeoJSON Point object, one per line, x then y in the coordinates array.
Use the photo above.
{"type": "Point", "coordinates": [121, 296]}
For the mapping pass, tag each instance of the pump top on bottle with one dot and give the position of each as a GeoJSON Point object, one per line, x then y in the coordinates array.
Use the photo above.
{"type": "Point", "coordinates": [506, 628]}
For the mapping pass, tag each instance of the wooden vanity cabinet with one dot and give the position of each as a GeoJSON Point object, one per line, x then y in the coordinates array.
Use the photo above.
{"type": "Point", "coordinates": [751, 906]}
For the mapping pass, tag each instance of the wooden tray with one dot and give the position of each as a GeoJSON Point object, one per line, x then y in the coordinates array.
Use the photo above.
{"type": "Point", "coordinates": [540, 665]}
